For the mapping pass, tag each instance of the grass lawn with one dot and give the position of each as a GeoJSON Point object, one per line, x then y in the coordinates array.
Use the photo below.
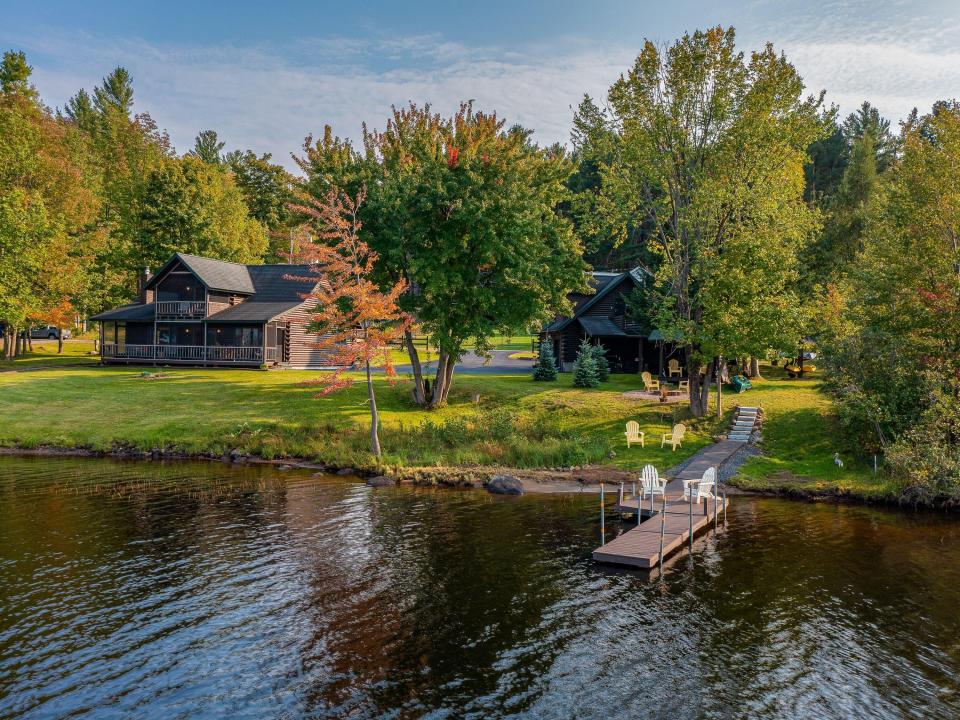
{"type": "Point", "coordinates": [44, 354]}
{"type": "Point", "coordinates": [800, 436]}
{"type": "Point", "coordinates": [517, 422]}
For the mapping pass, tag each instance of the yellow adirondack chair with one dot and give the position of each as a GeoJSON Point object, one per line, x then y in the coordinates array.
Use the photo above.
{"type": "Point", "coordinates": [675, 437]}
{"type": "Point", "coordinates": [633, 433]}
{"type": "Point", "coordinates": [673, 368]}
{"type": "Point", "coordinates": [684, 386]}
{"type": "Point", "coordinates": [649, 384]}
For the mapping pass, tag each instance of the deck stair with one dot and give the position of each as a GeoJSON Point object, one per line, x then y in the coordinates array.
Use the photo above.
{"type": "Point", "coordinates": [745, 421]}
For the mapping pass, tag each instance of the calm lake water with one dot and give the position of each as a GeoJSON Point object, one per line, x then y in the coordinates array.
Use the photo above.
{"type": "Point", "coordinates": [185, 590]}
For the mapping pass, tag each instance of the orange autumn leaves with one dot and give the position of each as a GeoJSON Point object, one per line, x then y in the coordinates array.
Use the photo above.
{"type": "Point", "coordinates": [359, 322]}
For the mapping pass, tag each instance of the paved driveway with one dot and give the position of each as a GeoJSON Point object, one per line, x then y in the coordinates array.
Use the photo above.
{"type": "Point", "coordinates": [499, 363]}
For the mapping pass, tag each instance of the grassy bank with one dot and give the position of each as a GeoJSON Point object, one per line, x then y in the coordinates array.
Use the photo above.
{"type": "Point", "coordinates": [800, 437]}
{"type": "Point", "coordinates": [516, 422]}
{"type": "Point", "coordinates": [44, 354]}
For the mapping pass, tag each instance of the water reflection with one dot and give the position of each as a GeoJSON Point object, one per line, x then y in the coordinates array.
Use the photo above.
{"type": "Point", "coordinates": [203, 590]}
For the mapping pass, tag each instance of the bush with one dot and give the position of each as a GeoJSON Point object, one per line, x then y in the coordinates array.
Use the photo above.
{"type": "Point", "coordinates": [600, 358]}
{"type": "Point", "coordinates": [546, 367]}
{"type": "Point", "coordinates": [586, 374]}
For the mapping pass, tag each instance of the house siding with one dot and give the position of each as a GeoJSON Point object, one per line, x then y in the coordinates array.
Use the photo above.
{"type": "Point", "coordinates": [302, 352]}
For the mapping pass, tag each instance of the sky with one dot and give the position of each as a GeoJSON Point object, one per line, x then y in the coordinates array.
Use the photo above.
{"type": "Point", "coordinates": [265, 74]}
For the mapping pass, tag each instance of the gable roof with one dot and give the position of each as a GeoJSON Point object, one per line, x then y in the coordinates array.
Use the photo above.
{"type": "Point", "coordinates": [273, 289]}
{"type": "Point", "coordinates": [605, 283]}
{"type": "Point", "coordinates": [215, 274]}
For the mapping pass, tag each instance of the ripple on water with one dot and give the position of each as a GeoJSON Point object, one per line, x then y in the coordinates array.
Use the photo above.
{"type": "Point", "coordinates": [204, 590]}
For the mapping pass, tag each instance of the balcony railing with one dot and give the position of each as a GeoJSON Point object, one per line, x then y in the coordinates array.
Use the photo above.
{"type": "Point", "coordinates": [181, 309]}
{"type": "Point", "coordinates": [183, 353]}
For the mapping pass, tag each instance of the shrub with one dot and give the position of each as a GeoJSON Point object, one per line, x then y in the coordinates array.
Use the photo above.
{"type": "Point", "coordinates": [603, 365]}
{"type": "Point", "coordinates": [586, 374]}
{"type": "Point", "coordinates": [546, 367]}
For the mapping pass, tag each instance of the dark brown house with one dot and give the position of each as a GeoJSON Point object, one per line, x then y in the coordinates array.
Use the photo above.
{"type": "Point", "coordinates": [200, 311]}
{"type": "Point", "coordinates": [602, 318]}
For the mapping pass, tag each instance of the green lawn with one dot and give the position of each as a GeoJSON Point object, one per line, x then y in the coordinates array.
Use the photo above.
{"type": "Point", "coordinates": [800, 437]}
{"type": "Point", "coordinates": [44, 354]}
{"type": "Point", "coordinates": [517, 422]}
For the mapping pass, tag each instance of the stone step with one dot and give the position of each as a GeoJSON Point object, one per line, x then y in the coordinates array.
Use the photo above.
{"type": "Point", "coordinates": [744, 407]}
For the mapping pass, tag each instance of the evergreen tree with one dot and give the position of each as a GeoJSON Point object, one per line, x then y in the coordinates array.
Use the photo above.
{"type": "Point", "coordinates": [586, 374]}
{"type": "Point", "coordinates": [600, 358]}
{"type": "Point", "coordinates": [546, 368]}
{"type": "Point", "coordinates": [208, 147]}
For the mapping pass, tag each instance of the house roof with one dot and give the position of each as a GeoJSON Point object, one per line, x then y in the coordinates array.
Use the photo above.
{"type": "Point", "coordinates": [132, 312]}
{"type": "Point", "coordinates": [273, 289]}
{"type": "Point", "coordinates": [605, 283]}
{"type": "Point", "coordinates": [602, 327]}
{"type": "Point", "coordinates": [215, 274]}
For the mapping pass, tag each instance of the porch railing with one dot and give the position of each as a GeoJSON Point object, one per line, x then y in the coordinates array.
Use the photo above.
{"type": "Point", "coordinates": [183, 353]}
{"type": "Point", "coordinates": [181, 309]}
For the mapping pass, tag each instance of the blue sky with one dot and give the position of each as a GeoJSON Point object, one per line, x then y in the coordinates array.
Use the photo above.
{"type": "Point", "coordinates": [266, 74]}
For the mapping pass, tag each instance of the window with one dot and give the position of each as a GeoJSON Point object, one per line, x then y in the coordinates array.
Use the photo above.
{"type": "Point", "coordinates": [235, 335]}
{"type": "Point", "coordinates": [180, 286]}
{"type": "Point", "coordinates": [179, 334]}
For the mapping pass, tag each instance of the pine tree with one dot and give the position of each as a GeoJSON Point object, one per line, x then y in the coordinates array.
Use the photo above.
{"type": "Point", "coordinates": [585, 371]}
{"type": "Point", "coordinates": [546, 367]}
{"type": "Point", "coordinates": [600, 358]}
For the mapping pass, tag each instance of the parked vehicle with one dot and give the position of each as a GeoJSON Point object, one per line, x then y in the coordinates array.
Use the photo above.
{"type": "Point", "coordinates": [50, 332]}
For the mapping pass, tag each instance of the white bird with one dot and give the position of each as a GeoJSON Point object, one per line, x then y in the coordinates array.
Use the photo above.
{"type": "Point", "coordinates": [837, 461]}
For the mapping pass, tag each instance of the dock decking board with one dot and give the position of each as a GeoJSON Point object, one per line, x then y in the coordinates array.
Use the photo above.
{"type": "Point", "coordinates": [640, 546]}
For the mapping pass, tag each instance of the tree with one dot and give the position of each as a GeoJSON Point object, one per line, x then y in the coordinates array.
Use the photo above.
{"type": "Point", "coordinates": [208, 148]}
{"type": "Point", "coordinates": [268, 190]}
{"type": "Point", "coordinates": [546, 367]}
{"type": "Point", "coordinates": [867, 122]}
{"type": "Point", "coordinates": [892, 345]}
{"type": "Point", "coordinates": [466, 214]}
{"type": "Point", "coordinates": [48, 206]}
{"type": "Point", "coordinates": [709, 159]}
{"type": "Point", "coordinates": [601, 362]}
{"type": "Point", "coordinates": [359, 323]}
{"type": "Point", "coordinates": [191, 206]}
{"type": "Point", "coordinates": [586, 374]}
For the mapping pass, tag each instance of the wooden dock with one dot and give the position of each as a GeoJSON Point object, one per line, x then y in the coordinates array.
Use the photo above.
{"type": "Point", "coordinates": [640, 546]}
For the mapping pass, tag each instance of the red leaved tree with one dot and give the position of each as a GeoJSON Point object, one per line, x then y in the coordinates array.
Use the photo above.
{"type": "Point", "coordinates": [358, 321]}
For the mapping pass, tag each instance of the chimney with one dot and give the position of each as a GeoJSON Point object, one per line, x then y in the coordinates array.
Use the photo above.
{"type": "Point", "coordinates": [142, 285]}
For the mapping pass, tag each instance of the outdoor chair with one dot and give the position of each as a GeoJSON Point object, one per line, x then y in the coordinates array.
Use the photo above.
{"type": "Point", "coordinates": [634, 434]}
{"type": "Point", "coordinates": [684, 386]}
{"type": "Point", "coordinates": [651, 483]}
{"type": "Point", "coordinates": [675, 437]}
{"type": "Point", "coordinates": [673, 368]}
{"type": "Point", "coordinates": [649, 384]}
{"type": "Point", "coordinates": [702, 489]}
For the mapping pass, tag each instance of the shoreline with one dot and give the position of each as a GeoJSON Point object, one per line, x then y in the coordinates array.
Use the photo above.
{"type": "Point", "coordinates": [534, 480]}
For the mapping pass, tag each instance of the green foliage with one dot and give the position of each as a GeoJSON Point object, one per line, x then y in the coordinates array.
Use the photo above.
{"type": "Point", "coordinates": [465, 211]}
{"type": "Point", "coordinates": [707, 162]}
{"type": "Point", "coordinates": [600, 360]}
{"type": "Point", "coordinates": [15, 75]}
{"type": "Point", "coordinates": [892, 339]}
{"type": "Point", "coordinates": [191, 206]}
{"type": "Point", "coordinates": [586, 373]}
{"type": "Point", "coordinates": [546, 367]}
{"type": "Point", "coordinates": [208, 147]}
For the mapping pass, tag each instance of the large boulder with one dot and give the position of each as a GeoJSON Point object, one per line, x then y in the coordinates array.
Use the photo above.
{"type": "Point", "coordinates": [505, 485]}
{"type": "Point", "coordinates": [380, 481]}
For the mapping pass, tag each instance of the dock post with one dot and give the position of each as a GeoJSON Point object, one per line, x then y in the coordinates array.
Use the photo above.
{"type": "Point", "coordinates": [724, 508]}
{"type": "Point", "coordinates": [663, 520]}
{"type": "Point", "coordinates": [620, 497]}
{"type": "Point", "coordinates": [651, 502]}
{"type": "Point", "coordinates": [690, 512]}
{"type": "Point", "coordinates": [603, 530]}
{"type": "Point", "coordinates": [716, 492]}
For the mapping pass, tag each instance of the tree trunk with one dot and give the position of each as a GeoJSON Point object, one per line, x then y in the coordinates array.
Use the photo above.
{"type": "Point", "coordinates": [440, 380]}
{"type": "Point", "coordinates": [448, 380]}
{"type": "Point", "coordinates": [419, 395]}
{"type": "Point", "coordinates": [717, 374]}
{"type": "Point", "coordinates": [755, 367]}
{"type": "Point", "coordinates": [744, 364]}
{"type": "Point", "coordinates": [699, 387]}
{"type": "Point", "coordinates": [6, 344]}
{"type": "Point", "coordinates": [27, 340]}
{"type": "Point", "coordinates": [17, 343]}
{"type": "Point", "coordinates": [59, 341]}
{"type": "Point", "coordinates": [374, 416]}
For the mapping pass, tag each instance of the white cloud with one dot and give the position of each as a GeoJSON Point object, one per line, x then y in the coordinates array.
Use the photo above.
{"type": "Point", "coordinates": [267, 100]}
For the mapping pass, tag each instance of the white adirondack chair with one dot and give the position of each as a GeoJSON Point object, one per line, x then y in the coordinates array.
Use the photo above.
{"type": "Point", "coordinates": [702, 489]}
{"type": "Point", "coordinates": [651, 483]}
{"type": "Point", "coordinates": [634, 434]}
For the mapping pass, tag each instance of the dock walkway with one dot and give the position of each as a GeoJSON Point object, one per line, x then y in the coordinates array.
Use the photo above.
{"type": "Point", "coordinates": [641, 546]}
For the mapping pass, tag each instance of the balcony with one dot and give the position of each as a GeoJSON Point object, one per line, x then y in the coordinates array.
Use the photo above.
{"type": "Point", "coordinates": [195, 354]}
{"type": "Point", "coordinates": [181, 309]}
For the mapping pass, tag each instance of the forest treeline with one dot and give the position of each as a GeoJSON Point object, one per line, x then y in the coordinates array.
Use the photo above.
{"type": "Point", "coordinates": [767, 222]}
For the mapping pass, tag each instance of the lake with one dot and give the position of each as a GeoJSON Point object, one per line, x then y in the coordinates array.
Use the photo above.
{"type": "Point", "coordinates": [194, 590]}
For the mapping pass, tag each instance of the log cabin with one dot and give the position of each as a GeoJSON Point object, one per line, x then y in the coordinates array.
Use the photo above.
{"type": "Point", "coordinates": [201, 311]}
{"type": "Point", "coordinates": [602, 318]}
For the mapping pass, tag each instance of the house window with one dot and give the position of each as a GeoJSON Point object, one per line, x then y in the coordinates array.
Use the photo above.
{"type": "Point", "coordinates": [235, 335]}
{"type": "Point", "coordinates": [179, 334]}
